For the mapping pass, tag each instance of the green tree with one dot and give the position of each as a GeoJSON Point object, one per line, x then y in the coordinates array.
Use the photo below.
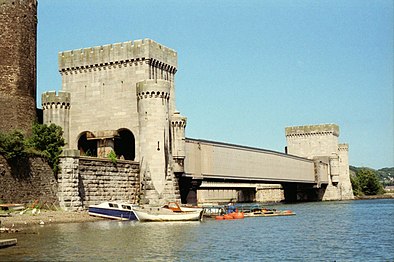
{"type": "Point", "coordinates": [48, 139]}
{"type": "Point", "coordinates": [12, 145]}
{"type": "Point", "coordinates": [356, 186]}
{"type": "Point", "coordinates": [366, 182]}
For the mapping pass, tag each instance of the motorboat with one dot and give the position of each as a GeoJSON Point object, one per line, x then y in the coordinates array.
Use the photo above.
{"type": "Point", "coordinates": [113, 210]}
{"type": "Point", "coordinates": [161, 214]}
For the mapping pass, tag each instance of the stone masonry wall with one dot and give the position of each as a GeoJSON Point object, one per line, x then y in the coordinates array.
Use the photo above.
{"type": "Point", "coordinates": [85, 181]}
{"type": "Point", "coordinates": [269, 193]}
{"type": "Point", "coordinates": [27, 180]}
{"type": "Point", "coordinates": [102, 180]}
{"type": "Point", "coordinates": [18, 23]}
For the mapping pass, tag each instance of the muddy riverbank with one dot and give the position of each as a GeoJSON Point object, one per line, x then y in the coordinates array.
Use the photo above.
{"type": "Point", "coordinates": [19, 221]}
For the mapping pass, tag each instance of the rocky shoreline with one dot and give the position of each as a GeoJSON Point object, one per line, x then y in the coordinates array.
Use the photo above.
{"type": "Point", "coordinates": [384, 196]}
{"type": "Point", "coordinates": [16, 221]}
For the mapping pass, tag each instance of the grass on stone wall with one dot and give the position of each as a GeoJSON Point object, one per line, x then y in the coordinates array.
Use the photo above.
{"type": "Point", "coordinates": [112, 156]}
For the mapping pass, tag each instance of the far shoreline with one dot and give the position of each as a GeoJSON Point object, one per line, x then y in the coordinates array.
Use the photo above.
{"type": "Point", "coordinates": [382, 196]}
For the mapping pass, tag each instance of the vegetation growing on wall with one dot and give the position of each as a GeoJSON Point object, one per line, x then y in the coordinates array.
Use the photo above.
{"type": "Point", "coordinates": [112, 156]}
{"type": "Point", "coordinates": [46, 141]}
{"type": "Point", "coordinates": [12, 145]}
{"type": "Point", "coordinates": [366, 182]}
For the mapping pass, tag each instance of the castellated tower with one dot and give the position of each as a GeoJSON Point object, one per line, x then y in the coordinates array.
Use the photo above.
{"type": "Point", "coordinates": [120, 98]}
{"type": "Point", "coordinates": [153, 113]}
{"type": "Point", "coordinates": [320, 143]}
{"type": "Point", "coordinates": [56, 110]}
{"type": "Point", "coordinates": [344, 172]}
{"type": "Point", "coordinates": [178, 125]}
{"type": "Point", "coordinates": [102, 83]}
{"type": "Point", "coordinates": [18, 34]}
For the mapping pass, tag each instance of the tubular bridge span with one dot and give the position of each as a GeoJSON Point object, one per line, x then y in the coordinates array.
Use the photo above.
{"type": "Point", "coordinates": [214, 160]}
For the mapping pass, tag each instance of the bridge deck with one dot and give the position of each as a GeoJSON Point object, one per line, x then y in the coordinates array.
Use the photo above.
{"type": "Point", "coordinates": [206, 159]}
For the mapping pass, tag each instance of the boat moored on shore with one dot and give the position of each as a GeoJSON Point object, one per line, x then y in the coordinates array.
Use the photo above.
{"type": "Point", "coordinates": [113, 210]}
{"type": "Point", "coordinates": [160, 214]}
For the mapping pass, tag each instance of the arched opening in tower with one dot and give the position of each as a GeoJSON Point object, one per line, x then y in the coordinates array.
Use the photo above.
{"type": "Point", "coordinates": [125, 144]}
{"type": "Point", "coordinates": [87, 147]}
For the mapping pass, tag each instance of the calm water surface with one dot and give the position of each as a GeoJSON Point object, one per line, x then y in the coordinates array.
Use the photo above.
{"type": "Point", "coordinates": [324, 231]}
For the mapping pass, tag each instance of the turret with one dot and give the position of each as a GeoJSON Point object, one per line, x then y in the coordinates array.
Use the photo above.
{"type": "Point", "coordinates": [56, 110]}
{"type": "Point", "coordinates": [344, 173]}
{"type": "Point", "coordinates": [178, 125]}
{"type": "Point", "coordinates": [153, 112]}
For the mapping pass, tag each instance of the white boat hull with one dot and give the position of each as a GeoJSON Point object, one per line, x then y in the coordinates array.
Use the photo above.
{"type": "Point", "coordinates": [161, 215]}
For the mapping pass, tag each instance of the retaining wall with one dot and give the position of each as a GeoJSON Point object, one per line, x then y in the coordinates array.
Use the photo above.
{"type": "Point", "coordinates": [26, 180]}
{"type": "Point", "coordinates": [85, 181]}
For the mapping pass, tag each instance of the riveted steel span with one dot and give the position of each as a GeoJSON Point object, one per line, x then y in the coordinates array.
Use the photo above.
{"type": "Point", "coordinates": [207, 159]}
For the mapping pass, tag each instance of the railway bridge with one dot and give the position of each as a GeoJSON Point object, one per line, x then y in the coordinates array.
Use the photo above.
{"type": "Point", "coordinates": [118, 101]}
{"type": "Point", "coordinates": [222, 172]}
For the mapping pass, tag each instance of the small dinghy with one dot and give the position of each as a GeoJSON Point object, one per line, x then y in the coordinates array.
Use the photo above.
{"type": "Point", "coordinates": [160, 214]}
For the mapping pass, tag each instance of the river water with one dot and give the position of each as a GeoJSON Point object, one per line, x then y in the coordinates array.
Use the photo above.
{"type": "Point", "coordinates": [321, 231]}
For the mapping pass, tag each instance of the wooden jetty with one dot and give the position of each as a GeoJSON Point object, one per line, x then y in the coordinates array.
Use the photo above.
{"type": "Point", "coordinates": [8, 242]}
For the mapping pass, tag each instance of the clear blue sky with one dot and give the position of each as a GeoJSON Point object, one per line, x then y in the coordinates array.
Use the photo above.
{"type": "Point", "coordinates": [248, 69]}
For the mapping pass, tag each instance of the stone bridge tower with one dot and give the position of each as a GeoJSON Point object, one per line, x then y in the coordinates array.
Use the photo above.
{"type": "Point", "coordinates": [120, 99]}
{"type": "Point", "coordinates": [18, 37]}
{"type": "Point", "coordinates": [320, 143]}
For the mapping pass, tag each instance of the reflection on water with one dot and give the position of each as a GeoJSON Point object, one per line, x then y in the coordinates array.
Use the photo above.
{"type": "Point", "coordinates": [324, 231]}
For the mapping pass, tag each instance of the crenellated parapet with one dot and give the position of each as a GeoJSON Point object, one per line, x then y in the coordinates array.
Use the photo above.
{"type": "Point", "coordinates": [153, 89]}
{"type": "Point", "coordinates": [161, 59]}
{"type": "Point", "coordinates": [51, 100]}
{"type": "Point", "coordinates": [178, 121]}
{"type": "Point", "coordinates": [312, 140]}
{"type": "Point", "coordinates": [312, 130]}
{"type": "Point", "coordinates": [343, 148]}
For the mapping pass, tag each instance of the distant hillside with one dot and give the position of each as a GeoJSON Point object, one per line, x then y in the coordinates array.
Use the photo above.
{"type": "Point", "coordinates": [386, 175]}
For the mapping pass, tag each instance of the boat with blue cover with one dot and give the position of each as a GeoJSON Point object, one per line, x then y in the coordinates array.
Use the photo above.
{"type": "Point", "coordinates": [113, 210]}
